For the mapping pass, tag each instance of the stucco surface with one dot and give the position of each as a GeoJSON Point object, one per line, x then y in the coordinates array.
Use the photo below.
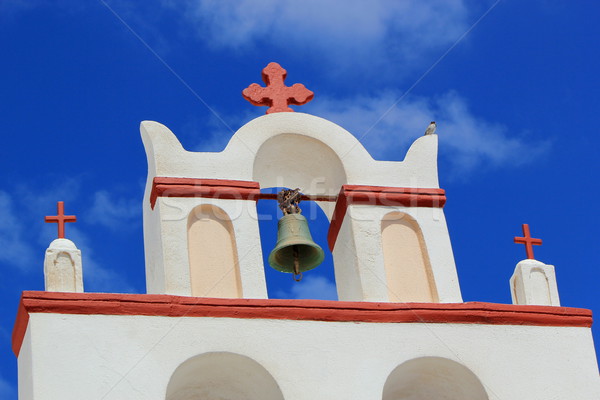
{"type": "Point", "coordinates": [134, 357]}
{"type": "Point", "coordinates": [534, 282]}
{"type": "Point", "coordinates": [63, 267]}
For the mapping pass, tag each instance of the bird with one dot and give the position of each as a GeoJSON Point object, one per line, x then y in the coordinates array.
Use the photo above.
{"type": "Point", "coordinates": [431, 128]}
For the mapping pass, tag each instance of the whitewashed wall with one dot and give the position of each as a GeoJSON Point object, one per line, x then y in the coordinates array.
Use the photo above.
{"type": "Point", "coordinates": [133, 357]}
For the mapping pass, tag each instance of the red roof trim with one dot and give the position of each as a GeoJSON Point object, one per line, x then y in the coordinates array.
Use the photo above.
{"type": "Point", "coordinates": [212, 188]}
{"type": "Point", "coordinates": [381, 196]}
{"type": "Point", "coordinates": [312, 310]}
{"type": "Point", "coordinates": [20, 327]}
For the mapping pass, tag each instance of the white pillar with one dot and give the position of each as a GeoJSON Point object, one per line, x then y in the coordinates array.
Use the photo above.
{"type": "Point", "coordinates": [534, 283]}
{"type": "Point", "coordinates": [359, 258]}
{"type": "Point", "coordinates": [166, 242]}
{"type": "Point", "coordinates": [62, 267]}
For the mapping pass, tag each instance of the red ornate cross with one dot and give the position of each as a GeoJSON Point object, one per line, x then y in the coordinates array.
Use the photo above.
{"type": "Point", "coordinates": [276, 95]}
{"type": "Point", "coordinates": [528, 241]}
{"type": "Point", "coordinates": [61, 219]}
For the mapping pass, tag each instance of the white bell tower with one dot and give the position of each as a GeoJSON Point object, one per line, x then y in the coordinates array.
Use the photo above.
{"type": "Point", "coordinates": [206, 329]}
{"type": "Point", "coordinates": [388, 233]}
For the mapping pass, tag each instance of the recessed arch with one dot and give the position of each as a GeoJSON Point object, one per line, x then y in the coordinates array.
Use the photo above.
{"type": "Point", "coordinates": [433, 378]}
{"type": "Point", "coordinates": [407, 267]}
{"type": "Point", "coordinates": [299, 161]}
{"type": "Point", "coordinates": [64, 273]}
{"type": "Point", "coordinates": [212, 252]}
{"type": "Point", "coordinates": [540, 286]}
{"type": "Point", "coordinates": [222, 376]}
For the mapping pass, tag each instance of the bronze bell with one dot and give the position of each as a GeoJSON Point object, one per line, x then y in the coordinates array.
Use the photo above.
{"type": "Point", "coordinates": [295, 251]}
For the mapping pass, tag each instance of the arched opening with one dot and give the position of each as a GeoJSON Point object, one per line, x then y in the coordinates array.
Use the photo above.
{"type": "Point", "coordinates": [407, 267]}
{"type": "Point", "coordinates": [214, 268]}
{"type": "Point", "coordinates": [222, 376]}
{"type": "Point", "coordinates": [433, 378]}
{"type": "Point", "coordinates": [318, 283]}
{"type": "Point", "coordinates": [298, 161]}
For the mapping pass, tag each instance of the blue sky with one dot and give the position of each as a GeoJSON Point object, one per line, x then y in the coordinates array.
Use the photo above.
{"type": "Point", "coordinates": [513, 86]}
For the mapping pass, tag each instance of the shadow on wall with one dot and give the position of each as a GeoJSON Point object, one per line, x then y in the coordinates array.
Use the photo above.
{"type": "Point", "coordinates": [297, 161]}
{"type": "Point", "coordinates": [407, 266]}
{"type": "Point", "coordinates": [214, 265]}
{"type": "Point", "coordinates": [222, 376]}
{"type": "Point", "coordinates": [428, 378]}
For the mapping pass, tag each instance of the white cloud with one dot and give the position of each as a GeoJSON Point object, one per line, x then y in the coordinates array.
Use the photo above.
{"type": "Point", "coordinates": [23, 247]}
{"type": "Point", "coordinates": [99, 277]}
{"type": "Point", "coordinates": [7, 390]}
{"type": "Point", "coordinates": [212, 133]}
{"type": "Point", "coordinates": [35, 204]}
{"type": "Point", "coordinates": [62, 189]}
{"type": "Point", "coordinates": [467, 142]}
{"type": "Point", "coordinates": [15, 249]}
{"type": "Point", "coordinates": [371, 40]}
{"type": "Point", "coordinates": [312, 287]}
{"type": "Point", "coordinates": [115, 213]}
{"type": "Point", "coordinates": [378, 36]}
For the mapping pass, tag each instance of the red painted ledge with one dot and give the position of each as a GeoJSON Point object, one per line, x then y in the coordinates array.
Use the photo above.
{"type": "Point", "coordinates": [312, 310]}
{"type": "Point", "coordinates": [380, 196]}
{"type": "Point", "coordinates": [212, 188]}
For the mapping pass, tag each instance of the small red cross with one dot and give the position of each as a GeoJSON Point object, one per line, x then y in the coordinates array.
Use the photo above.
{"type": "Point", "coordinates": [61, 218]}
{"type": "Point", "coordinates": [276, 95]}
{"type": "Point", "coordinates": [528, 241]}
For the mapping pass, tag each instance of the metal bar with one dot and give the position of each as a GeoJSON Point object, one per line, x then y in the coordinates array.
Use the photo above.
{"type": "Point", "coordinates": [305, 197]}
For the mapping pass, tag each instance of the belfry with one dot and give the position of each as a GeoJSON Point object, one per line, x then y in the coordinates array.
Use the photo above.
{"type": "Point", "coordinates": [206, 328]}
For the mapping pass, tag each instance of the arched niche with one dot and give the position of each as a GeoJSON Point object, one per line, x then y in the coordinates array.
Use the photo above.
{"type": "Point", "coordinates": [222, 376]}
{"type": "Point", "coordinates": [64, 273]}
{"type": "Point", "coordinates": [433, 378]}
{"type": "Point", "coordinates": [407, 267]}
{"type": "Point", "coordinates": [212, 251]}
{"type": "Point", "coordinates": [299, 161]}
{"type": "Point", "coordinates": [540, 287]}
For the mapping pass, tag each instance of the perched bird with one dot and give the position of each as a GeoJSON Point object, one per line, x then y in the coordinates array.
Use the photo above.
{"type": "Point", "coordinates": [431, 128]}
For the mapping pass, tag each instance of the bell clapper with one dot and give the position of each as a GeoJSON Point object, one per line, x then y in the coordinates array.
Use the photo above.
{"type": "Point", "coordinates": [297, 273]}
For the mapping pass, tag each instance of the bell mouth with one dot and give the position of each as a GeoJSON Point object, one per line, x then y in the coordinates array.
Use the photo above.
{"type": "Point", "coordinates": [282, 259]}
